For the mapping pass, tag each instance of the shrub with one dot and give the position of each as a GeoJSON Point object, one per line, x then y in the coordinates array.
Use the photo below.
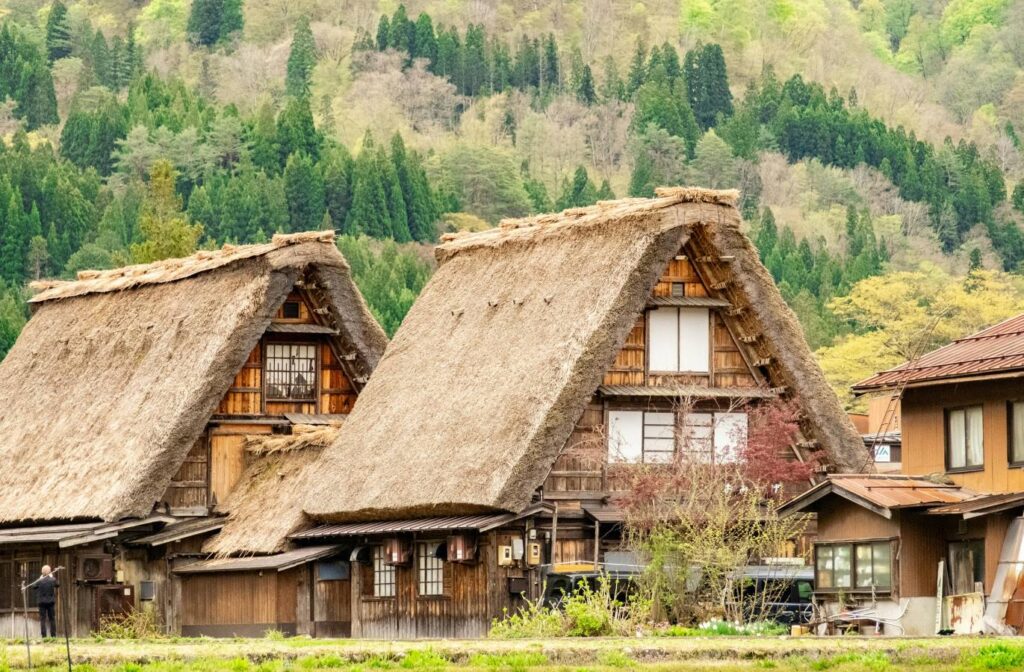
{"type": "Point", "coordinates": [586, 612]}
{"type": "Point", "coordinates": [136, 624]}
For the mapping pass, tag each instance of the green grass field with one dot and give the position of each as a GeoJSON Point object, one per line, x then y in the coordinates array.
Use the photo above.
{"type": "Point", "coordinates": [722, 654]}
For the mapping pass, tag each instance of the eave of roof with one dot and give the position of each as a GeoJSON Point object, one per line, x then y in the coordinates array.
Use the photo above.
{"type": "Point", "coordinates": [997, 351]}
{"type": "Point", "coordinates": [279, 561]}
{"type": "Point", "coordinates": [880, 493]}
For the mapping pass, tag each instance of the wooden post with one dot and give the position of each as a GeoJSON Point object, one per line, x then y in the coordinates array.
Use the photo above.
{"type": "Point", "coordinates": [597, 543]}
{"type": "Point", "coordinates": [554, 537]}
{"type": "Point", "coordinates": [938, 596]}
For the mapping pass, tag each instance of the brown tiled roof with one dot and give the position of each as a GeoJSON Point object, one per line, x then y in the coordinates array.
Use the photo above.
{"type": "Point", "coordinates": [996, 350]}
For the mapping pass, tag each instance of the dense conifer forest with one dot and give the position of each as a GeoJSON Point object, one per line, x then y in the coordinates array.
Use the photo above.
{"type": "Point", "coordinates": [138, 130]}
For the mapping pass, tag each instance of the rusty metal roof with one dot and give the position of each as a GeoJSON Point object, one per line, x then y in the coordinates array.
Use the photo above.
{"type": "Point", "coordinates": [881, 493]}
{"type": "Point", "coordinates": [982, 505]}
{"type": "Point", "coordinates": [996, 350]}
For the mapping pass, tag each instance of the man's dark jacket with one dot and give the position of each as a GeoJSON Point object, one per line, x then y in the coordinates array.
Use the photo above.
{"type": "Point", "coordinates": [46, 590]}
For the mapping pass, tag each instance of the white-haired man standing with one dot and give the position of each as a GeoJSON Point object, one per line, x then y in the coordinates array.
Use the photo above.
{"type": "Point", "coordinates": [46, 597]}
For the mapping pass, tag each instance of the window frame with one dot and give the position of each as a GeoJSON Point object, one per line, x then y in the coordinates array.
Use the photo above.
{"type": "Point", "coordinates": [715, 453]}
{"type": "Point", "coordinates": [435, 576]}
{"type": "Point", "coordinates": [268, 398]}
{"type": "Point", "coordinates": [707, 371]}
{"type": "Point", "coordinates": [947, 434]}
{"type": "Point", "coordinates": [854, 545]}
{"type": "Point", "coordinates": [380, 568]}
{"type": "Point", "coordinates": [1010, 435]}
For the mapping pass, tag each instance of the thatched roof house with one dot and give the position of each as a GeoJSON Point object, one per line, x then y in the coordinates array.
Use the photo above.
{"type": "Point", "coordinates": [483, 383]}
{"type": "Point", "coordinates": [117, 373]}
{"type": "Point", "coordinates": [266, 505]}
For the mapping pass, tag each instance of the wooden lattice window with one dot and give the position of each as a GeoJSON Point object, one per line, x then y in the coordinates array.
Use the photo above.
{"type": "Point", "coordinates": [429, 569]}
{"type": "Point", "coordinates": [291, 372]}
{"type": "Point", "coordinates": [383, 575]}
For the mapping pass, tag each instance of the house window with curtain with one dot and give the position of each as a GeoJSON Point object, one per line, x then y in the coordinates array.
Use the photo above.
{"type": "Point", "coordinates": [1015, 440]}
{"type": "Point", "coordinates": [649, 437]}
{"type": "Point", "coordinates": [679, 340]}
{"type": "Point", "coordinates": [964, 439]}
{"type": "Point", "coordinates": [845, 566]}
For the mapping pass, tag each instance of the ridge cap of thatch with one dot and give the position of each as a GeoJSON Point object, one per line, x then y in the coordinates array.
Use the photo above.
{"type": "Point", "coordinates": [169, 270]}
{"type": "Point", "coordinates": [620, 209]}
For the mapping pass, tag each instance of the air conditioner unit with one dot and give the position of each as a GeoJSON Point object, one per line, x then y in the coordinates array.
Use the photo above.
{"type": "Point", "coordinates": [95, 568]}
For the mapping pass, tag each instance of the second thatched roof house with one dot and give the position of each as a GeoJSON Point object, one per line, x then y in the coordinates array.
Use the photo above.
{"type": "Point", "coordinates": [127, 402]}
{"type": "Point", "coordinates": [540, 353]}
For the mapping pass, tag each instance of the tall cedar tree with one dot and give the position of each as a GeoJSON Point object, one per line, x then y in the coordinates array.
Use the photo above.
{"type": "Point", "coordinates": [295, 130]}
{"type": "Point", "coordinates": [369, 213]}
{"type": "Point", "coordinates": [204, 21]}
{"type": "Point", "coordinates": [304, 190]}
{"type": "Point", "coordinates": [425, 40]}
{"type": "Point", "coordinates": [301, 60]}
{"type": "Point", "coordinates": [58, 33]}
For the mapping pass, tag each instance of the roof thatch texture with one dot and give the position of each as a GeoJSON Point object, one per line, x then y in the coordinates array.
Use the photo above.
{"type": "Point", "coordinates": [510, 338]}
{"type": "Point", "coordinates": [116, 374]}
{"type": "Point", "coordinates": [266, 504]}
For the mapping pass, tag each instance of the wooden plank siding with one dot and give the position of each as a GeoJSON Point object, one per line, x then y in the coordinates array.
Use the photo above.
{"type": "Point", "coordinates": [336, 394]}
{"type": "Point", "coordinates": [474, 594]}
{"type": "Point", "coordinates": [240, 603]}
{"type": "Point", "coordinates": [189, 487]}
{"type": "Point", "coordinates": [924, 432]}
{"type": "Point", "coordinates": [728, 367]}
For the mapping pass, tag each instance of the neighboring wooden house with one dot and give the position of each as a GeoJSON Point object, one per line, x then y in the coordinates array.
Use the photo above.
{"type": "Point", "coordinates": [958, 499]}
{"type": "Point", "coordinates": [126, 403]}
{"type": "Point", "coordinates": [477, 457]}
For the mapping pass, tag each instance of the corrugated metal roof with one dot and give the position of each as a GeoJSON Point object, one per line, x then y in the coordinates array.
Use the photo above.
{"type": "Point", "coordinates": [695, 391]}
{"type": "Point", "coordinates": [998, 349]}
{"type": "Point", "coordinates": [688, 301]}
{"type": "Point", "coordinates": [182, 530]}
{"type": "Point", "coordinates": [288, 328]}
{"type": "Point", "coordinates": [47, 534]}
{"type": "Point", "coordinates": [278, 562]}
{"type": "Point", "coordinates": [894, 491]}
{"type": "Point", "coordinates": [982, 505]}
{"type": "Point", "coordinates": [478, 522]}
{"type": "Point", "coordinates": [881, 493]}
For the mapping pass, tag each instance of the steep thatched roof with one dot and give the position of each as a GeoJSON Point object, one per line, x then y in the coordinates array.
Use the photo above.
{"type": "Point", "coordinates": [116, 374]}
{"type": "Point", "coordinates": [266, 505]}
{"type": "Point", "coordinates": [495, 362]}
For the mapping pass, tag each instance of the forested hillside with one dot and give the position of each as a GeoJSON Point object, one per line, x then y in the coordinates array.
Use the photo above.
{"type": "Point", "coordinates": [875, 142]}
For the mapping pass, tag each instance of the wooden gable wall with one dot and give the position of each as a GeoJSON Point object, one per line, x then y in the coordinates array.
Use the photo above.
{"type": "Point", "coordinates": [337, 393]}
{"type": "Point", "coordinates": [728, 367]}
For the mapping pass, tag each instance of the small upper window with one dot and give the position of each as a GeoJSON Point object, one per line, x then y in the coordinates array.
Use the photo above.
{"type": "Point", "coordinates": [964, 438]}
{"type": "Point", "coordinates": [290, 310]}
{"type": "Point", "coordinates": [383, 575]}
{"type": "Point", "coordinates": [680, 340]}
{"type": "Point", "coordinates": [291, 372]}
